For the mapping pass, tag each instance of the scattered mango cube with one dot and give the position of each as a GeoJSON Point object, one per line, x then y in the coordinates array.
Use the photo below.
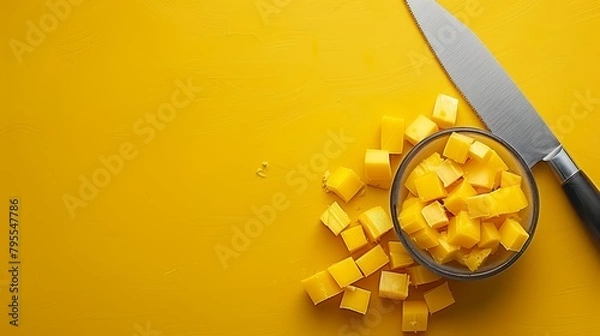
{"type": "Point", "coordinates": [457, 198]}
{"type": "Point", "coordinates": [438, 298]}
{"type": "Point", "coordinates": [411, 219]}
{"type": "Point", "coordinates": [509, 199]}
{"type": "Point", "coordinates": [356, 299]}
{"type": "Point", "coordinates": [345, 272]}
{"type": "Point", "coordinates": [392, 134]}
{"type": "Point", "coordinates": [345, 183]}
{"type": "Point", "coordinates": [419, 275]}
{"type": "Point", "coordinates": [444, 252]}
{"type": "Point", "coordinates": [512, 235]}
{"type": "Point", "coordinates": [435, 215]}
{"type": "Point", "coordinates": [449, 172]}
{"type": "Point", "coordinates": [508, 179]}
{"type": "Point", "coordinates": [393, 285]}
{"type": "Point", "coordinates": [335, 218]}
{"type": "Point", "coordinates": [479, 151]}
{"type": "Point", "coordinates": [414, 316]}
{"type": "Point", "coordinates": [490, 237]}
{"type": "Point", "coordinates": [399, 256]}
{"type": "Point", "coordinates": [377, 168]}
{"type": "Point", "coordinates": [372, 260]}
{"type": "Point", "coordinates": [463, 230]}
{"type": "Point", "coordinates": [482, 205]}
{"type": "Point", "coordinates": [425, 238]}
{"type": "Point", "coordinates": [445, 111]}
{"type": "Point", "coordinates": [321, 287]}
{"type": "Point", "coordinates": [354, 238]}
{"type": "Point", "coordinates": [457, 147]}
{"type": "Point", "coordinates": [419, 129]}
{"type": "Point", "coordinates": [376, 222]}
{"type": "Point", "coordinates": [429, 187]}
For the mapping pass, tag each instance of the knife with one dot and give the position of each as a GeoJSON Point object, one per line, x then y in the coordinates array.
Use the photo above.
{"type": "Point", "coordinates": [501, 105]}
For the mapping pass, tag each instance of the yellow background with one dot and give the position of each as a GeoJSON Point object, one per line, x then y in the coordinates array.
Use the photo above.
{"type": "Point", "coordinates": [140, 258]}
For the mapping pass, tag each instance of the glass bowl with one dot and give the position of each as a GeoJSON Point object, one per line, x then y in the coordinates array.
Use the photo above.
{"type": "Point", "coordinates": [502, 259]}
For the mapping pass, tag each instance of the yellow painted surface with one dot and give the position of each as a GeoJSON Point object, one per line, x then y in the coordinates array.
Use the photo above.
{"type": "Point", "coordinates": [303, 88]}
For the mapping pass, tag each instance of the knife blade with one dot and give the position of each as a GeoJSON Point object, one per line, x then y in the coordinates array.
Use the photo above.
{"type": "Point", "coordinates": [500, 104]}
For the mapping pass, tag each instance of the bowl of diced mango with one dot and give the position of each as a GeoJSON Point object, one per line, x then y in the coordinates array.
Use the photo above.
{"type": "Point", "coordinates": [464, 204]}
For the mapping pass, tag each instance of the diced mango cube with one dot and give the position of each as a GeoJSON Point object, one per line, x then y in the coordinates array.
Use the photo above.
{"type": "Point", "coordinates": [463, 230]}
{"type": "Point", "coordinates": [345, 272]}
{"type": "Point", "coordinates": [482, 205]}
{"type": "Point", "coordinates": [445, 251]}
{"type": "Point", "coordinates": [430, 187]}
{"type": "Point", "coordinates": [376, 222]}
{"type": "Point", "coordinates": [479, 151]}
{"type": "Point", "coordinates": [508, 179]}
{"type": "Point", "coordinates": [410, 180]}
{"type": "Point", "coordinates": [345, 183]}
{"type": "Point", "coordinates": [476, 257]}
{"type": "Point", "coordinates": [457, 198]}
{"type": "Point", "coordinates": [449, 172]}
{"type": "Point", "coordinates": [321, 287]}
{"type": "Point", "coordinates": [392, 134]}
{"type": "Point", "coordinates": [411, 219]}
{"type": "Point", "coordinates": [490, 237]}
{"type": "Point", "coordinates": [495, 163]}
{"type": "Point", "coordinates": [425, 238]}
{"type": "Point", "coordinates": [354, 238]}
{"type": "Point", "coordinates": [335, 218]}
{"type": "Point", "coordinates": [510, 199]}
{"type": "Point", "coordinates": [399, 256]}
{"type": "Point", "coordinates": [410, 201]}
{"type": "Point", "coordinates": [438, 298]}
{"type": "Point", "coordinates": [419, 275]}
{"type": "Point", "coordinates": [414, 316]}
{"type": "Point", "coordinates": [356, 299]}
{"type": "Point", "coordinates": [457, 147]}
{"type": "Point", "coordinates": [432, 162]}
{"type": "Point", "coordinates": [419, 129]}
{"type": "Point", "coordinates": [372, 260]}
{"type": "Point", "coordinates": [435, 215]}
{"type": "Point", "coordinates": [377, 168]}
{"type": "Point", "coordinates": [512, 235]}
{"type": "Point", "coordinates": [393, 285]}
{"type": "Point", "coordinates": [478, 174]}
{"type": "Point", "coordinates": [444, 111]}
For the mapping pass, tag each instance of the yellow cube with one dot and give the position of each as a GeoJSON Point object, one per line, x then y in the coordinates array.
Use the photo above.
{"type": "Point", "coordinates": [414, 316]}
{"type": "Point", "coordinates": [335, 218]}
{"type": "Point", "coordinates": [393, 285]}
{"type": "Point", "coordinates": [419, 129]}
{"type": "Point", "coordinates": [438, 298]}
{"type": "Point", "coordinates": [321, 287]}
{"type": "Point", "coordinates": [445, 251]}
{"type": "Point", "coordinates": [457, 147]}
{"type": "Point", "coordinates": [512, 235]}
{"type": "Point", "coordinates": [425, 238]}
{"type": "Point", "coordinates": [411, 219]}
{"type": "Point", "coordinates": [435, 215]}
{"type": "Point", "coordinates": [463, 230]}
{"type": "Point", "coordinates": [399, 256]}
{"type": "Point", "coordinates": [419, 275]}
{"type": "Point", "coordinates": [508, 179]}
{"type": "Point", "coordinates": [495, 163]}
{"type": "Point", "coordinates": [473, 258]}
{"type": "Point", "coordinates": [482, 205]}
{"type": "Point", "coordinates": [345, 272]}
{"type": "Point", "coordinates": [354, 238]}
{"type": "Point", "coordinates": [410, 201]}
{"type": "Point", "coordinates": [490, 237]}
{"type": "Point", "coordinates": [372, 260]}
{"type": "Point", "coordinates": [427, 165]}
{"type": "Point", "coordinates": [510, 199]}
{"type": "Point", "coordinates": [432, 162]}
{"type": "Point", "coordinates": [356, 299]}
{"type": "Point", "coordinates": [449, 172]}
{"type": "Point", "coordinates": [478, 174]}
{"type": "Point", "coordinates": [345, 183]}
{"type": "Point", "coordinates": [392, 134]}
{"type": "Point", "coordinates": [444, 111]}
{"type": "Point", "coordinates": [430, 187]}
{"type": "Point", "coordinates": [377, 168]}
{"type": "Point", "coordinates": [457, 198]}
{"type": "Point", "coordinates": [376, 222]}
{"type": "Point", "coordinates": [479, 151]}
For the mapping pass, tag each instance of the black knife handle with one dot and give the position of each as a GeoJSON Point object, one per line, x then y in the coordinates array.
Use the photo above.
{"type": "Point", "coordinates": [582, 192]}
